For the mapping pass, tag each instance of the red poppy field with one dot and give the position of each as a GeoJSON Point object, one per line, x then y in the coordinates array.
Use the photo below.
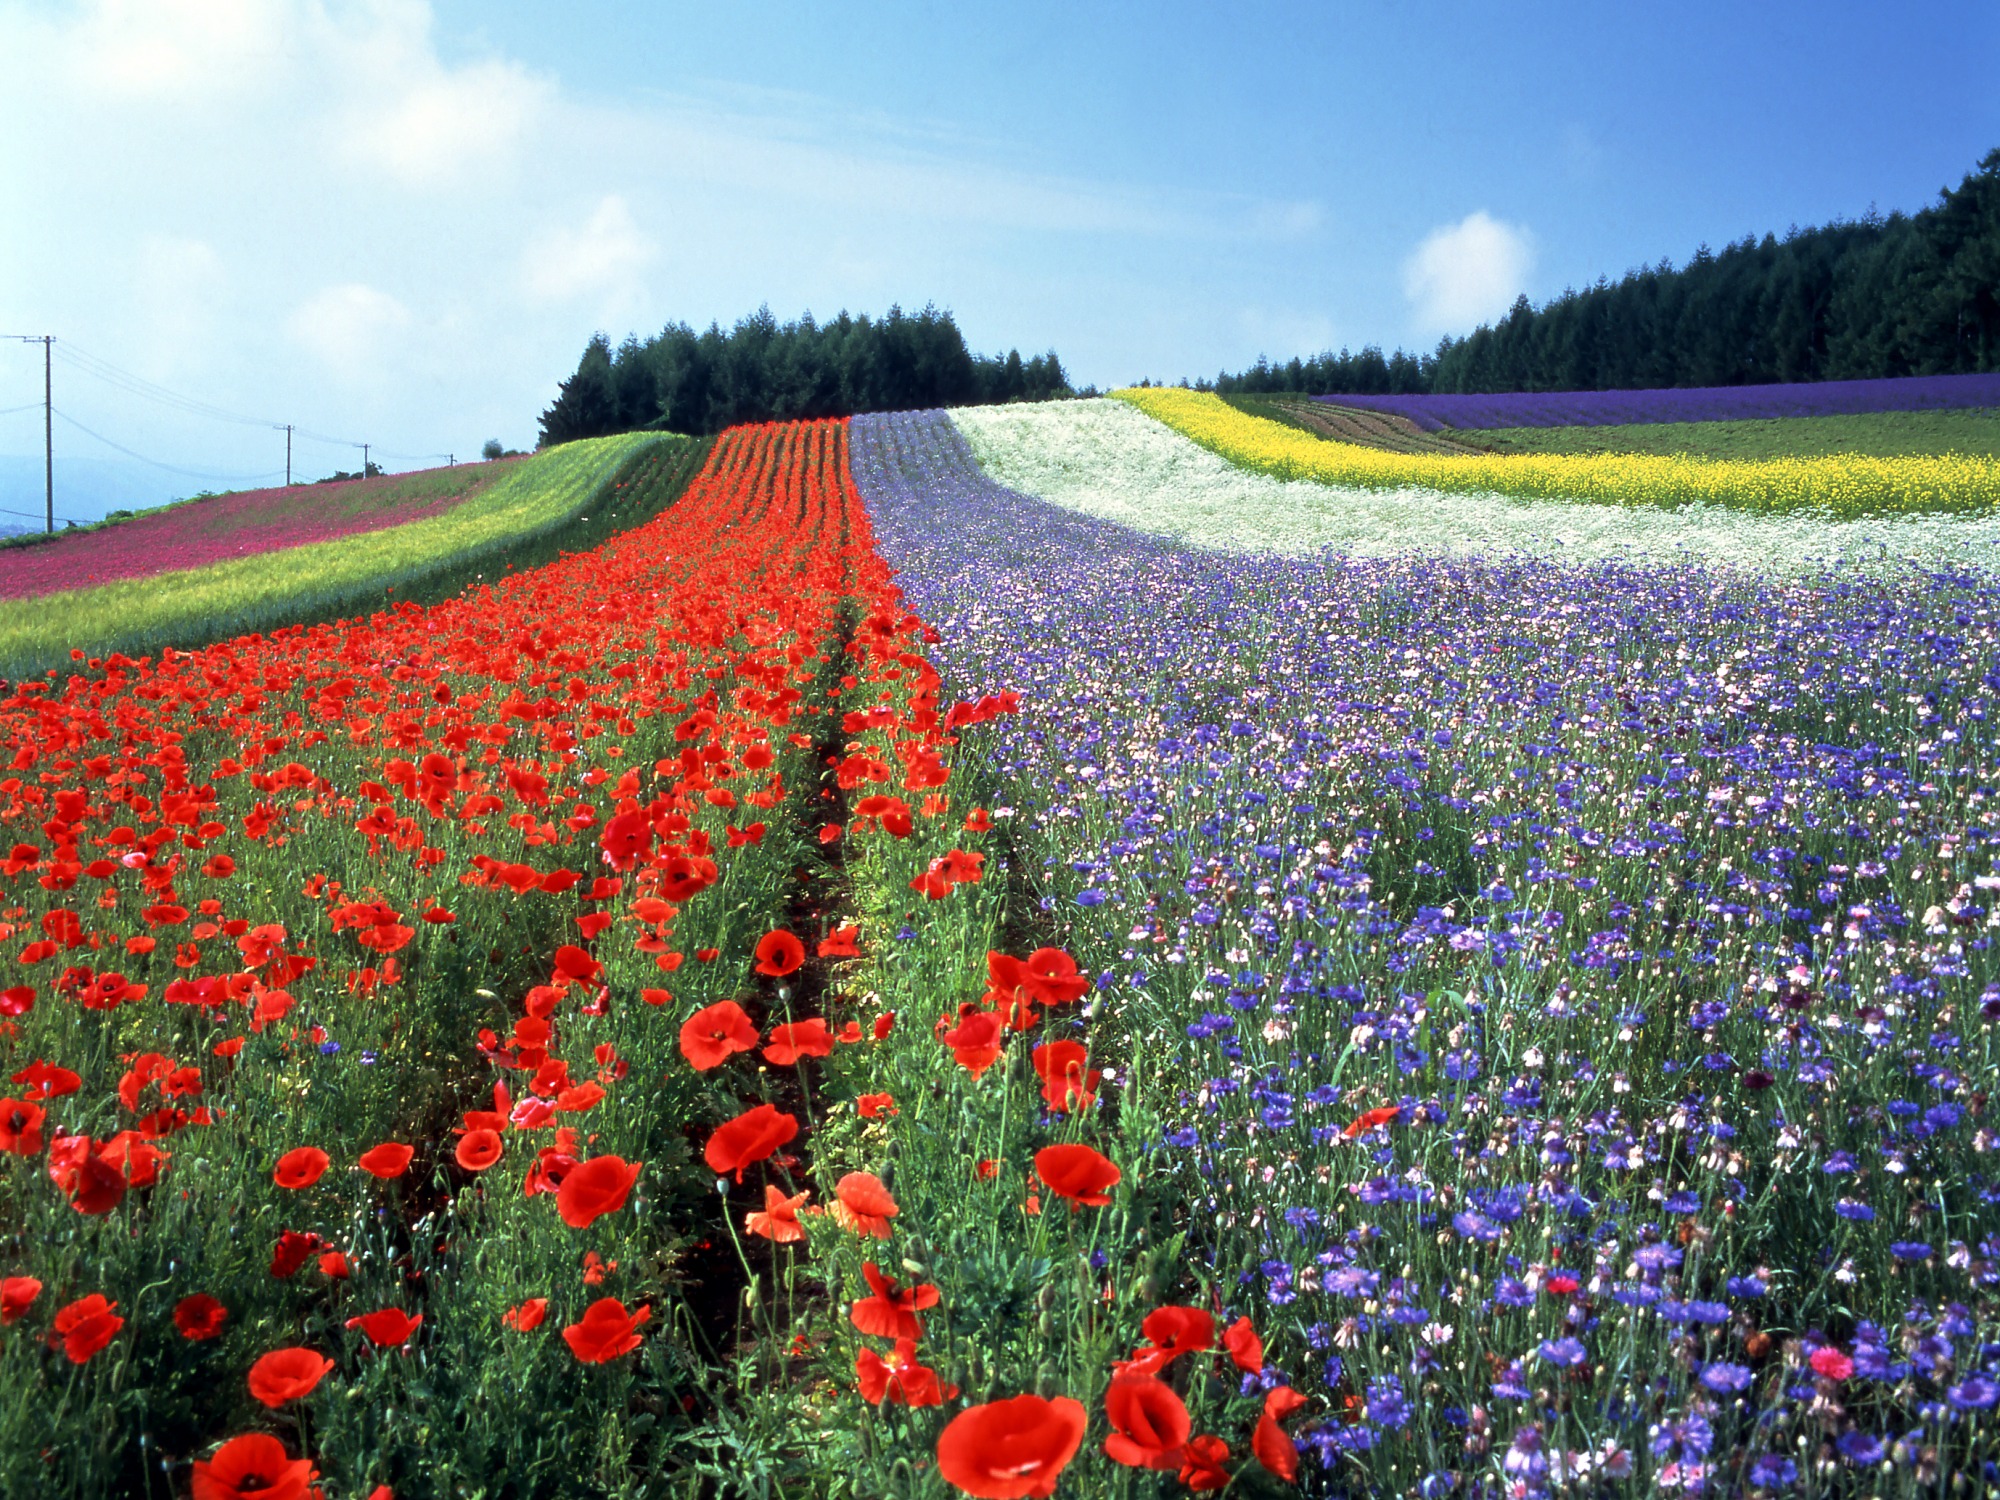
{"type": "Point", "coordinates": [467, 1046]}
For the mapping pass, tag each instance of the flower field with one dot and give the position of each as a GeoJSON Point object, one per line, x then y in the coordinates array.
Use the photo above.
{"type": "Point", "coordinates": [194, 601]}
{"type": "Point", "coordinates": [1846, 487]}
{"type": "Point", "coordinates": [195, 533]}
{"type": "Point", "coordinates": [1106, 459]}
{"type": "Point", "coordinates": [874, 982]}
{"type": "Point", "coordinates": [1726, 403]}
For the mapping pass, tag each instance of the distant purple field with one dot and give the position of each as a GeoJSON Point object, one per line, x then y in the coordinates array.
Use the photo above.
{"type": "Point", "coordinates": [1723, 403]}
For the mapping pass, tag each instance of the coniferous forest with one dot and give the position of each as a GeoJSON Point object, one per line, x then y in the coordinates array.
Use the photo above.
{"type": "Point", "coordinates": [1910, 294]}
{"type": "Point", "coordinates": [763, 370]}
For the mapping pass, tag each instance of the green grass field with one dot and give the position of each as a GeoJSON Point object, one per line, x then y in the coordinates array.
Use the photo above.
{"type": "Point", "coordinates": [1888, 434]}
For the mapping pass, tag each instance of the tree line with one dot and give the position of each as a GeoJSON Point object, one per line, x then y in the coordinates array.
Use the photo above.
{"type": "Point", "coordinates": [1910, 294]}
{"type": "Point", "coordinates": [763, 370]}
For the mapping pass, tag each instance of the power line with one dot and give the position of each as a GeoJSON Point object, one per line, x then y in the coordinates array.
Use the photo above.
{"type": "Point", "coordinates": [8, 411]}
{"type": "Point", "coordinates": [170, 468]}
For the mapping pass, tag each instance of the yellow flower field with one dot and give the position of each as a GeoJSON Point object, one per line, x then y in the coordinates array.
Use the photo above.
{"type": "Point", "coordinates": [1845, 486]}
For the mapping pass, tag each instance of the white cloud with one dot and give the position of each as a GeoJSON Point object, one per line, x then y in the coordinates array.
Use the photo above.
{"type": "Point", "coordinates": [1467, 273]}
{"type": "Point", "coordinates": [158, 51]}
{"type": "Point", "coordinates": [350, 329]}
{"type": "Point", "coordinates": [430, 126]}
{"type": "Point", "coordinates": [604, 255]}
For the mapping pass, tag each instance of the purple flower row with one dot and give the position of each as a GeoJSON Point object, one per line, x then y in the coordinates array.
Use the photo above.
{"type": "Point", "coordinates": [1726, 403]}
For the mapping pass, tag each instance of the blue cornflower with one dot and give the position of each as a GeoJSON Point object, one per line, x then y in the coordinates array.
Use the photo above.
{"type": "Point", "coordinates": [1566, 1353]}
{"type": "Point", "coordinates": [1910, 1250]}
{"type": "Point", "coordinates": [1773, 1471]}
{"type": "Point", "coordinates": [1726, 1379]}
{"type": "Point", "coordinates": [1848, 1208]}
{"type": "Point", "coordinates": [1861, 1450]}
{"type": "Point", "coordinates": [1974, 1393]}
{"type": "Point", "coordinates": [1747, 1286]}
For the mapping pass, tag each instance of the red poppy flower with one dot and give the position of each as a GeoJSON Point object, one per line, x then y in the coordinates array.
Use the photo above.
{"type": "Point", "coordinates": [1559, 1284]}
{"type": "Point", "coordinates": [1201, 1468]}
{"type": "Point", "coordinates": [865, 1205]}
{"type": "Point", "coordinates": [1831, 1363]}
{"type": "Point", "coordinates": [388, 1327]}
{"type": "Point", "coordinates": [898, 1378]}
{"type": "Point", "coordinates": [479, 1149]}
{"type": "Point", "coordinates": [875, 1106]}
{"type": "Point", "coordinates": [1068, 1081]}
{"type": "Point", "coordinates": [627, 838]}
{"type": "Point", "coordinates": [287, 1374]}
{"type": "Point", "coordinates": [92, 1184]}
{"type": "Point", "coordinates": [17, 1294]}
{"type": "Point", "coordinates": [1369, 1119]}
{"type": "Point", "coordinates": [840, 943]}
{"type": "Point", "coordinates": [1174, 1331]}
{"type": "Point", "coordinates": [300, 1168]}
{"type": "Point", "coordinates": [199, 1317]}
{"type": "Point", "coordinates": [890, 1312]}
{"type": "Point", "coordinates": [253, 1467]}
{"type": "Point", "coordinates": [594, 1188]}
{"type": "Point", "coordinates": [607, 1331]}
{"type": "Point", "coordinates": [1152, 1423]}
{"type": "Point", "coordinates": [748, 1139]}
{"type": "Point", "coordinates": [291, 1251]}
{"type": "Point", "coordinates": [1078, 1173]}
{"type": "Point", "coordinates": [1272, 1447]}
{"type": "Point", "coordinates": [334, 1263]}
{"type": "Point", "coordinates": [573, 964]}
{"type": "Point", "coordinates": [86, 1326]}
{"type": "Point", "coordinates": [779, 1220]}
{"type": "Point", "coordinates": [712, 1034]}
{"type": "Point", "coordinates": [779, 953]}
{"type": "Point", "coordinates": [1005, 1450]}
{"type": "Point", "coordinates": [21, 1127]}
{"type": "Point", "coordinates": [390, 1159]}
{"type": "Point", "coordinates": [1051, 977]}
{"type": "Point", "coordinates": [1246, 1350]}
{"type": "Point", "coordinates": [797, 1039]}
{"type": "Point", "coordinates": [528, 1316]}
{"type": "Point", "coordinates": [975, 1041]}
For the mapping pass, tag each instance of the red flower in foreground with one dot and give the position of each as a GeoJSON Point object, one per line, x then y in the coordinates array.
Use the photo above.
{"type": "Point", "coordinates": [1078, 1173]}
{"type": "Point", "coordinates": [390, 1159]}
{"type": "Point", "coordinates": [253, 1465]}
{"type": "Point", "coordinates": [388, 1327]}
{"type": "Point", "coordinates": [86, 1326]}
{"type": "Point", "coordinates": [292, 1251]}
{"type": "Point", "coordinates": [1201, 1468]}
{"type": "Point", "coordinates": [593, 1188]}
{"type": "Point", "coordinates": [1273, 1448]}
{"type": "Point", "coordinates": [712, 1034]}
{"type": "Point", "coordinates": [1831, 1363]}
{"type": "Point", "coordinates": [17, 1294]}
{"type": "Point", "coordinates": [1152, 1423]}
{"type": "Point", "coordinates": [779, 1220]}
{"type": "Point", "coordinates": [21, 1127]}
{"type": "Point", "coordinates": [199, 1317]}
{"type": "Point", "coordinates": [797, 1039]}
{"type": "Point", "coordinates": [606, 1332]}
{"type": "Point", "coordinates": [1005, 1450]}
{"type": "Point", "coordinates": [779, 953]}
{"type": "Point", "coordinates": [287, 1374]}
{"type": "Point", "coordinates": [528, 1316]}
{"type": "Point", "coordinates": [1246, 1350]}
{"type": "Point", "coordinates": [748, 1139]}
{"type": "Point", "coordinates": [1369, 1120]}
{"type": "Point", "coordinates": [898, 1378]}
{"type": "Point", "coordinates": [865, 1205]}
{"type": "Point", "coordinates": [841, 942]}
{"type": "Point", "coordinates": [975, 1041]}
{"type": "Point", "coordinates": [891, 1311]}
{"type": "Point", "coordinates": [1068, 1081]}
{"type": "Point", "coordinates": [1051, 977]}
{"type": "Point", "coordinates": [300, 1168]}
{"type": "Point", "coordinates": [479, 1149]}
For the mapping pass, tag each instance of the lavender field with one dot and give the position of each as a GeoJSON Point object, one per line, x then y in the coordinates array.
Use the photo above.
{"type": "Point", "coordinates": [1555, 1001]}
{"type": "Point", "coordinates": [1824, 398]}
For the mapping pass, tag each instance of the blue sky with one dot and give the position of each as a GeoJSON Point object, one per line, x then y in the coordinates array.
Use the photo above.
{"type": "Point", "coordinates": [398, 221]}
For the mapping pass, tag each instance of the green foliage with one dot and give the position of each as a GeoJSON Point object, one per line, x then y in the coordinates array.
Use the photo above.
{"type": "Point", "coordinates": [762, 370]}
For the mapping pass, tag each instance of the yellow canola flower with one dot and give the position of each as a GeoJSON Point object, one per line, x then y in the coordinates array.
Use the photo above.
{"type": "Point", "coordinates": [1843, 485]}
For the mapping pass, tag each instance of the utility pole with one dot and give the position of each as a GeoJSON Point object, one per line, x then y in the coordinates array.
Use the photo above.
{"type": "Point", "coordinates": [49, 431]}
{"type": "Point", "coordinates": [288, 455]}
{"type": "Point", "coordinates": [364, 460]}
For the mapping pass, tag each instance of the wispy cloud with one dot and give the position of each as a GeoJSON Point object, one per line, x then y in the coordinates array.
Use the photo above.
{"type": "Point", "coordinates": [1467, 273]}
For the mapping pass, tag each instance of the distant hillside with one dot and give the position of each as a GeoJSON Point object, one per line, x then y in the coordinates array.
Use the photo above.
{"type": "Point", "coordinates": [1915, 294]}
